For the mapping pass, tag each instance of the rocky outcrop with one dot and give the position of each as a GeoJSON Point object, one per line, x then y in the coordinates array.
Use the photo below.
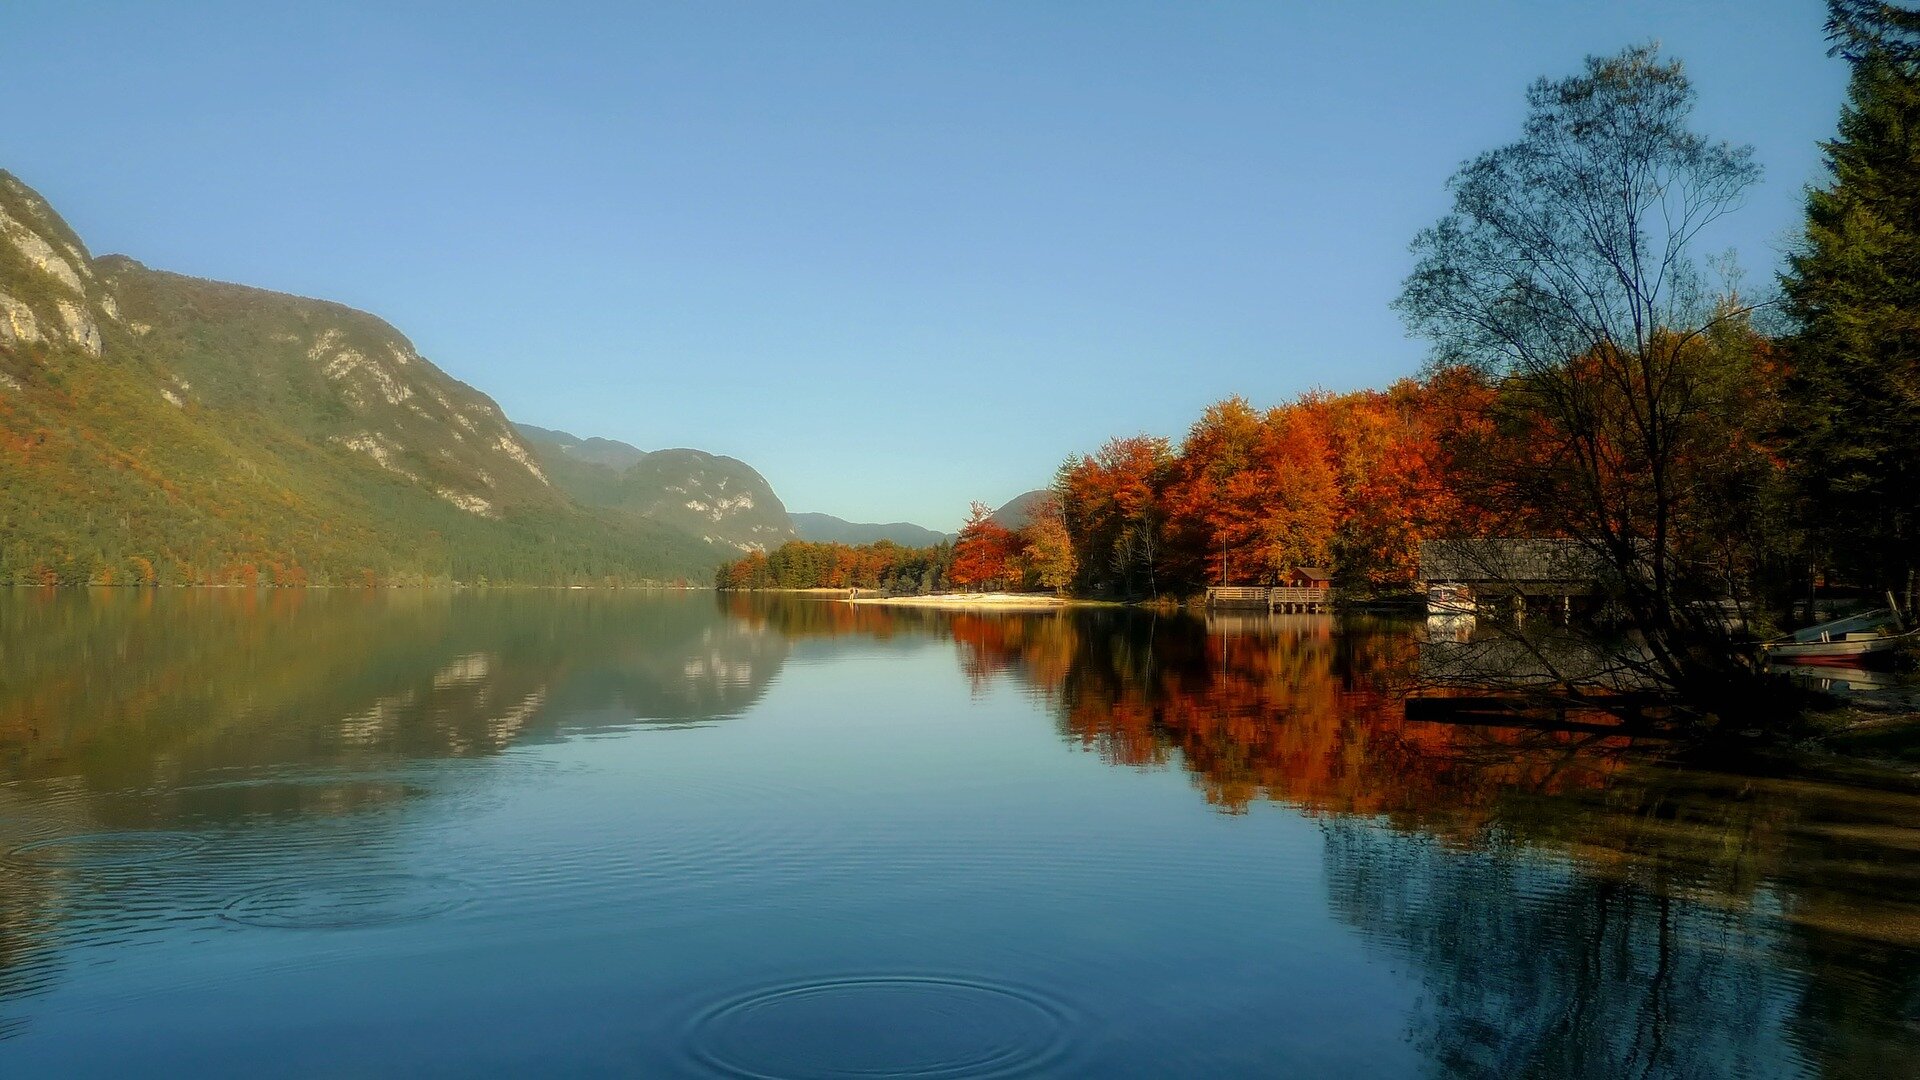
{"type": "Point", "coordinates": [52, 293]}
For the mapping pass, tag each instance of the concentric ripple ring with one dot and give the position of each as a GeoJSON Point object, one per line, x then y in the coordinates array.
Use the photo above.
{"type": "Point", "coordinates": [881, 1025]}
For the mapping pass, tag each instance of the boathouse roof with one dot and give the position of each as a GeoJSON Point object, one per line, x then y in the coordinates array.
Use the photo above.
{"type": "Point", "coordinates": [1510, 561]}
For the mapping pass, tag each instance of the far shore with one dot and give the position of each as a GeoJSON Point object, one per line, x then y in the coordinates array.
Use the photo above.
{"type": "Point", "coordinates": [996, 601]}
{"type": "Point", "coordinates": [999, 601]}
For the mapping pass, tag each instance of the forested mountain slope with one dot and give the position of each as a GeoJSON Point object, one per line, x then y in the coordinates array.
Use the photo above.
{"type": "Point", "coordinates": [155, 427]}
{"type": "Point", "coordinates": [825, 528]}
{"type": "Point", "coordinates": [719, 499]}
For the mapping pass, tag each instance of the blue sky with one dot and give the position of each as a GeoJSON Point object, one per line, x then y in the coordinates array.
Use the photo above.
{"type": "Point", "coordinates": [897, 256]}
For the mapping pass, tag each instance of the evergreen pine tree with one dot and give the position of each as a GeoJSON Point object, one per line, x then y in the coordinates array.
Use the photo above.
{"type": "Point", "coordinates": [1853, 398]}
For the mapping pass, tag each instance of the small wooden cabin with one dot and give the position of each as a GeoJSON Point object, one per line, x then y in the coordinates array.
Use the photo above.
{"type": "Point", "coordinates": [1310, 577]}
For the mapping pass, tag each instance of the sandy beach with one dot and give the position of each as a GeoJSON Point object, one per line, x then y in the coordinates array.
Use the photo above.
{"type": "Point", "coordinates": [995, 601]}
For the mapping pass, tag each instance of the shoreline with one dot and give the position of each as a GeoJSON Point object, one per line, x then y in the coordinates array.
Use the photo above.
{"type": "Point", "coordinates": [993, 601]}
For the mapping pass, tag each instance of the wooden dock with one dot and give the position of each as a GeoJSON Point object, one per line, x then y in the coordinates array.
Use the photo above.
{"type": "Point", "coordinates": [1281, 599]}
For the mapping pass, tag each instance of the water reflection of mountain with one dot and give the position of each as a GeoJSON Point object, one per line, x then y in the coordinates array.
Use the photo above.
{"type": "Point", "coordinates": [109, 686]}
{"type": "Point", "coordinates": [131, 720]}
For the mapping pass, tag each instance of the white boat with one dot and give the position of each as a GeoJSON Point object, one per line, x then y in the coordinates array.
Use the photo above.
{"type": "Point", "coordinates": [1844, 640]}
{"type": "Point", "coordinates": [1448, 599]}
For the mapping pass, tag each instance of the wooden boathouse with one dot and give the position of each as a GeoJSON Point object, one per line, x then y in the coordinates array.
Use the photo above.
{"type": "Point", "coordinates": [1514, 572]}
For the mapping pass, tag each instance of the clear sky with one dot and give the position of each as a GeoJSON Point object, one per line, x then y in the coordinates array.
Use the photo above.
{"type": "Point", "coordinates": [897, 256]}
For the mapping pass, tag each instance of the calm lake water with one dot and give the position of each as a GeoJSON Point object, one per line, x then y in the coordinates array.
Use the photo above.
{"type": "Point", "coordinates": [405, 833]}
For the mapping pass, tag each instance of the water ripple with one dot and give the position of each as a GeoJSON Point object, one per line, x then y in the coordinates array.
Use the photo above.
{"type": "Point", "coordinates": [924, 1026]}
{"type": "Point", "coordinates": [344, 902]}
{"type": "Point", "coordinates": [107, 849]}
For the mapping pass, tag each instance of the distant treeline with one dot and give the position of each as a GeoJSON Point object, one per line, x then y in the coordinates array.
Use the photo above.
{"type": "Point", "coordinates": [803, 564]}
{"type": "Point", "coordinates": [1353, 481]}
{"type": "Point", "coordinates": [987, 555]}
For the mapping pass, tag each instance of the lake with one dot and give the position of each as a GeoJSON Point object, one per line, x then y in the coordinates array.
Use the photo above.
{"type": "Point", "coordinates": [452, 833]}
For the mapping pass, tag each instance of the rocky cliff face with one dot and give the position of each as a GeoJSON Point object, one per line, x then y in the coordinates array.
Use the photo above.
{"type": "Point", "coordinates": [339, 377]}
{"type": "Point", "coordinates": [49, 294]}
{"type": "Point", "coordinates": [160, 427]}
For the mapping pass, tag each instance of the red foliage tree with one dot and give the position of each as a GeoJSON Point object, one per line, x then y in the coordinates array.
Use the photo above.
{"type": "Point", "coordinates": [986, 554]}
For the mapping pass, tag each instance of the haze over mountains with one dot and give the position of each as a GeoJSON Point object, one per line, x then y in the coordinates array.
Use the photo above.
{"type": "Point", "coordinates": [719, 499]}
{"type": "Point", "coordinates": [158, 428]}
{"type": "Point", "coordinates": [825, 528]}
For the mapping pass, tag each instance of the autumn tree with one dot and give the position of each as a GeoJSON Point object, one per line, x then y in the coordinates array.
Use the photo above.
{"type": "Point", "coordinates": [1564, 272]}
{"type": "Point", "coordinates": [1252, 495]}
{"type": "Point", "coordinates": [986, 553]}
{"type": "Point", "coordinates": [1111, 504]}
{"type": "Point", "coordinates": [1215, 493]}
{"type": "Point", "coordinates": [1394, 458]}
{"type": "Point", "coordinates": [1299, 500]}
{"type": "Point", "coordinates": [1046, 549]}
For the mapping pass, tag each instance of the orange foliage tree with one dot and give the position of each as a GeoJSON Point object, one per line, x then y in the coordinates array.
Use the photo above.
{"type": "Point", "coordinates": [987, 554]}
{"type": "Point", "coordinates": [1352, 481]}
{"type": "Point", "coordinates": [1111, 502]}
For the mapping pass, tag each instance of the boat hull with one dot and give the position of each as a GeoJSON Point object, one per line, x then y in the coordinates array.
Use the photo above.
{"type": "Point", "coordinates": [1835, 652]}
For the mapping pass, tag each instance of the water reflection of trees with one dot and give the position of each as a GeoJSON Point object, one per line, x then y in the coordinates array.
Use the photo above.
{"type": "Point", "coordinates": [1290, 709]}
{"type": "Point", "coordinates": [1672, 924]}
{"type": "Point", "coordinates": [1535, 969]}
{"type": "Point", "coordinates": [1573, 905]}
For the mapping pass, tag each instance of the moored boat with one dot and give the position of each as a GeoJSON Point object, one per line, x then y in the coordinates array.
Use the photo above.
{"type": "Point", "coordinates": [1445, 599]}
{"type": "Point", "coordinates": [1844, 641]}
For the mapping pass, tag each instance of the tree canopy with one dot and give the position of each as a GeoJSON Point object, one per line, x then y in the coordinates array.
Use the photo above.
{"type": "Point", "coordinates": [1853, 286]}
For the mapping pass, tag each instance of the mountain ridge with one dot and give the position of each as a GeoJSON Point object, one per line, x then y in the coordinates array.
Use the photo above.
{"type": "Point", "coordinates": [826, 528]}
{"type": "Point", "coordinates": [1016, 512]}
{"type": "Point", "coordinates": [157, 428]}
{"type": "Point", "coordinates": [722, 500]}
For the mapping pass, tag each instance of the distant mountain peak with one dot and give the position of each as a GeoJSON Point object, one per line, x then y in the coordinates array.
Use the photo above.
{"type": "Point", "coordinates": [1018, 511]}
{"type": "Point", "coordinates": [593, 450]}
{"type": "Point", "coordinates": [719, 499]}
{"type": "Point", "coordinates": [825, 528]}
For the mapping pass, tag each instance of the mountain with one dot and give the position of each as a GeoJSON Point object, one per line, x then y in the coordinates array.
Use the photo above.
{"type": "Point", "coordinates": [156, 427]}
{"type": "Point", "coordinates": [825, 528]}
{"type": "Point", "coordinates": [722, 501]}
{"type": "Point", "coordinates": [1019, 510]}
{"type": "Point", "coordinates": [614, 455]}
